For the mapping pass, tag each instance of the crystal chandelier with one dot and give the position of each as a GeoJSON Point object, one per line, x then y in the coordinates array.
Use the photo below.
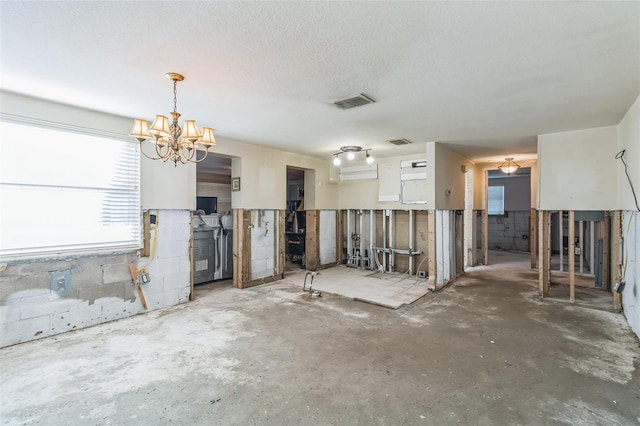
{"type": "Point", "coordinates": [172, 142]}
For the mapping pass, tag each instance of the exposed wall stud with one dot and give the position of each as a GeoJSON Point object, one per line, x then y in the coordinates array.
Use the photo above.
{"type": "Point", "coordinates": [572, 256]}
{"type": "Point", "coordinates": [485, 237]}
{"type": "Point", "coordinates": [532, 238]}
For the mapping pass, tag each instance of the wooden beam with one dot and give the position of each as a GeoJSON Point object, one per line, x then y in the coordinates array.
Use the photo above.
{"type": "Point", "coordinates": [485, 237]}
{"type": "Point", "coordinates": [572, 256]}
{"type": "Point", "coordinates": [561, 240]}
{"type": "Point", "coordinates": [134, 275]}
{"type": "Point", "coordinates": [616, 263]}
{"type": "Point", "coordinates": [431, 245]}
{"type": "Point", "coordinates": [581, 240]}
{"type": "Point", "coordinates": [606, 259]}
{"type": "Point", "coordinates": [146, 234]}
{"type": "Point", "coordinates": [192, 292]}
{"type": "Point", "coordinates": [311, 240]}
{"type": "Point", "coordinates": [543, 253]}
{"type": "Point", "coordinates": [282, 242]}
{"type": "Point", "coordinates": [532, 238]}
{"type": "Point", "coordinates": [241, 247]}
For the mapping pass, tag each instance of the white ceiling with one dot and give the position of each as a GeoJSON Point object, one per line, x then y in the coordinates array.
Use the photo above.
{"type": "Point", "coordinates": [484, 76]}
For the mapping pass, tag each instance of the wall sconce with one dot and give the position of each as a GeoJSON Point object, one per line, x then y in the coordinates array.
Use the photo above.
{"type": "Point", "coordinates": [351, 151]}
{"type": "Point", "coordinates": [509, 166]}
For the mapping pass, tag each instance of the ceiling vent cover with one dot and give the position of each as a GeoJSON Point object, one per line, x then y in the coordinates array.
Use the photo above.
{"type": "Point", "coordinates": [399, 141]}
{"type": "Point", "coordinates": [353, 102]}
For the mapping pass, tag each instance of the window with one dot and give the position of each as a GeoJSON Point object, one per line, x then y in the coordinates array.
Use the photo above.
{"type": "Point", "coordinates": [65, 189]}
{"type": "Point", "coordinates": [496, 200]}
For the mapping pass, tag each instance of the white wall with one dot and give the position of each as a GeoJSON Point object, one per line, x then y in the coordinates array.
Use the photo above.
{"type": "Point", "coordinates": [263, 177]}
{"type": "Point", "coordinates": [449, 187]}
{"type": "Point", "coordinates": [577, 170]}
{"type": "Point", "coordinates": [327, 237]}
{"type": "Point", "coordinates": [629, 140]}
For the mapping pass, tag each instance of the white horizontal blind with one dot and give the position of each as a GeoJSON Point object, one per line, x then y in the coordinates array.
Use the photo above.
{"type": "Point", "coordinates": [66, 190]}
{"type": "Point", "coordinates": [496, 200]}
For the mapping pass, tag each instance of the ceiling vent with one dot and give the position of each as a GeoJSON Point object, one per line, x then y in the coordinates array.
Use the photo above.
{"type": "Point", "coordinates": [353, 102]}
{"type": "Point", "coordinates": [399, 141]}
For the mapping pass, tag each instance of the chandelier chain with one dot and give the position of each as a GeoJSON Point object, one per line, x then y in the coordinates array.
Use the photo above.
{"type": "Point", "coordinates": [175, 95]}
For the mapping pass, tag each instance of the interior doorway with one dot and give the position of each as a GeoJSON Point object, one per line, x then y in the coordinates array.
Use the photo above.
{"type": "Point", "coordinates": [212, 222]}
{"type": "Point", "coordinates": [295, 220]}
{"type": "Point", "coordinates": [508, 216]}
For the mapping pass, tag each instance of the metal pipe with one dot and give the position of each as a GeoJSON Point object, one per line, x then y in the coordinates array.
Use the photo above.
{"type": "Point", "coordinates": [392, 259]}
{"type": "Point", "coordinates": [411, 241]}
{"type": "Point", "coordinates": [361, 228]}
{"type": "Point", "coordinates": [349, 246]}
{"type": "Point", "coordinates": [372, 236]}
{"type": "Point", "coordinates": [592, 238]}
{"type": "Point", "coordinates": [384, 238]}
{"type": "Point", "coordinates": [561, 242]}
{"type": "Point", "coordinates": [581, 237]}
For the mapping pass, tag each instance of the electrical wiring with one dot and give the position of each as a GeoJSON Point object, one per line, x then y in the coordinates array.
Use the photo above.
{"type": "Point", "coordinates": [620, 156]}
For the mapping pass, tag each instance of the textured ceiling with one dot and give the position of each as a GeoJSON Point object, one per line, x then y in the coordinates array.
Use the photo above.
{"type": "Point", "coordinates": [484, 76]}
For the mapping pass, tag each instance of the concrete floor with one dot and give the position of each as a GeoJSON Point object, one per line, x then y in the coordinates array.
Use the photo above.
{"type": "Point", "coordinates": [484, 350]}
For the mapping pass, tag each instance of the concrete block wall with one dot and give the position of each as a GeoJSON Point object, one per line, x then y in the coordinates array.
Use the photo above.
{"type": "Point", "coordinates": [98, 288]}
{"type": "Point", "coordinates": [327, 237]}
{"type": "Point", "coordinates": [263, 243]}
{"type": "Point", "coordinates": [509, 232]}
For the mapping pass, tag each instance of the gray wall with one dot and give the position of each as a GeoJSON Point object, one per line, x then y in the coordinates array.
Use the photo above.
{"type": "Point", "coordinates": [511, 231]}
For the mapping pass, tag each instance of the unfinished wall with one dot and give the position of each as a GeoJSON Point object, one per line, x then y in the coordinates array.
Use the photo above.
{"type": "Point", "coordinates": [577, 170]}
{"type": "Point", "coordinates": [327, 237]}
{"type": "Point", "coordinates": [97, 289]}
{"type": "Point", "coordinates": [263, 244]}
{"type": "Point", "coordinates": [631, 269]}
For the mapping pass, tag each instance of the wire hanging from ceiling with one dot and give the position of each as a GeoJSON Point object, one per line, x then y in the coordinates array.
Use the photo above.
{"type": "Point", "coordinates": [620, 156]}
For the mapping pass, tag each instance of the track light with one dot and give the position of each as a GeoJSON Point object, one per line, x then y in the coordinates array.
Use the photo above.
{"type": "Point", "coordinates": [369, 158]}
{"type": "Point", "coordinates": [350, 155]}
{"type": "Point", "coordinates": [336, 160]}
{"type": "Point", "coordinates": [351, 152]}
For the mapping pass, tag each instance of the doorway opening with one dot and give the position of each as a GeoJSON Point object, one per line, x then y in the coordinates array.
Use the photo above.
{"type": "Point", "coordinates": [508, 217]}
{"type": "Point", "coordinates": [212, 222]}
{"type": "Point", "coordinates": [295, 220]}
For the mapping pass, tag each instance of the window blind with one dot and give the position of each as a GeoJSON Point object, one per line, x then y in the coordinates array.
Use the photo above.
{"type": "Point", "coordinates": [66, 189]}
{"type": "Point", "coordinates": [496, 200]}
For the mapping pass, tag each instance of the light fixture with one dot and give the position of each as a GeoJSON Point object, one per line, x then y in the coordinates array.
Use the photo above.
{"type": "Point", "coordinates": [351, 151]}
{"type": "Point", "coordinates": [509, 166]}
{"type": "Point", "coordinates": [172, 142]}
{"type": "Point", "coordinates": [369, 158]}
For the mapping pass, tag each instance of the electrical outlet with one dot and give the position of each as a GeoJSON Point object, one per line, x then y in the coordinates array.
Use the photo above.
{"type": "Point", "coordinates": [619, 287]}
{"type": "Point", "coordinates": [144, 278]}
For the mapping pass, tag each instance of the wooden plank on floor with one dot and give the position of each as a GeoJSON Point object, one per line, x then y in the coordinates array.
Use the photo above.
{"type": "Point", "coordinates": [572, 256]}
{"type": "Point", "coordinates": [532, 238]}
{"type": "Point", "coordinates": [431, 244]}
{"type": "Point", "coordinates": [616, 263]}
{"type": "Point", "coordinates": [485, 237]}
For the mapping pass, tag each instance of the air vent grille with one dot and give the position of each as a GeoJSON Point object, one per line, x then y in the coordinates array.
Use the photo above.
{"type": "Point", "coordinates": [353, 102]}
{"type": "Point", "coordinates": [399, 141]}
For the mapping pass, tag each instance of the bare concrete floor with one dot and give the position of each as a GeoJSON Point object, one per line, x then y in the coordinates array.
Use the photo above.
{"type": "Point", "coordinates": [484, 350]}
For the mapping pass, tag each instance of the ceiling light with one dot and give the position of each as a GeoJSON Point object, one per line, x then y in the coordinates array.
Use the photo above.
{"type": "Point", "coordinates": [509, 166]}
{"type": "Point", "coordinates": [172, 142]}
{"type": "Point", "coordinates": [351, 151]}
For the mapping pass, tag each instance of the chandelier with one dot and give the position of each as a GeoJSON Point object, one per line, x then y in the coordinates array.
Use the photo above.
{"type": "Point", "coordinates": [172, 142]}
{"type": "Point", "coordinates": [350, 151]}
{"type": "Point", "coordinates": [509, 166]}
